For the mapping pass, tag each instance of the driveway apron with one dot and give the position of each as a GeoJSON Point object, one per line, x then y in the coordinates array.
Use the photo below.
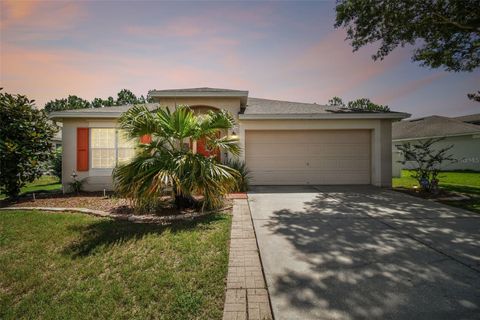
{"type": "Point", "coordinates": [360, 252]}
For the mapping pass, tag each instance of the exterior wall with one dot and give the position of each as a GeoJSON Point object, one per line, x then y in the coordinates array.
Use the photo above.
{"type": "Point", "coordinates": [385, 146]}
{"type": "Point", "coordinates": [396, 166]}
{"type": "Point", "coordinates": [232, 105]}
{"type": "Point", "coordinates": [381, 139]}
{"type": "Point", "coordinates": [96, 179]}
{"type": "Point", "coordinates": [99, 179]}
{"type": "Point", "coordinates": [466, 149]}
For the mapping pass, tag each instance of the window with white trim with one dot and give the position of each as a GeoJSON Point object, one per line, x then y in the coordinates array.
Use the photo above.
{"type": "Point", "coordinates": [110, 146]}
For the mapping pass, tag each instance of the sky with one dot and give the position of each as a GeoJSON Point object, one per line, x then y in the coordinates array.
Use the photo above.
{"type": "Point", "coordinates": [275, 50]}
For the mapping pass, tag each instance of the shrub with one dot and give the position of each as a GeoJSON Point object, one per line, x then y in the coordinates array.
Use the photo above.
{"type": "Point", "coordinates": [243, 180]}
{"type": "Point", "coordinates": [56, 163]}
{"type": "Point", "coordinates": [426, 160]}
{"type": "Point", "coordinates": [25, 142]}
{"type": "Point", "coordinates": [167, 166]}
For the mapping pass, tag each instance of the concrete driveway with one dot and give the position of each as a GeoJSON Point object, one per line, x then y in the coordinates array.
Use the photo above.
{"type": "Point", "coordinates": [366, 253]}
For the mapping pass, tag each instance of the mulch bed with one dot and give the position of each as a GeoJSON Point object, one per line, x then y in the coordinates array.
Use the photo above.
{"type": "Point", "coordinates": [89, 200]}
{"type": "Point", "coordinates": [442, 195]}
{"type": "Point", "coordinates": [94, 201]}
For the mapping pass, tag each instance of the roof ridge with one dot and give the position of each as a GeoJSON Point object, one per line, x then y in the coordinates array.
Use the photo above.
{"type": "Point", "coordinates": [312, 103]}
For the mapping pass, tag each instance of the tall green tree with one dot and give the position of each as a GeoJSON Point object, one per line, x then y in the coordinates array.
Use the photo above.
{"type": "Point", "coordinates": [168, 166]}
{"type": "Point", "coordinates": [25, 142]}
{"type": "Point", "coordinates": [70, 103]}
{"type": "Point", "coordinates": [445, 33]}
{"type": "Point", "coordinates": [358, 105]}
{"type": "Point", "coordinates": [126, 96]}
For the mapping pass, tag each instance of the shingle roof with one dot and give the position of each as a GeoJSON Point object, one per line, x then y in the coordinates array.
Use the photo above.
{"type": "Point", "coordinates": [267, 106]}
{"type": "Point", "coordinates": [471, 118]}
{"type": "Point", "coordinates": [113, 109]}
{"type": "Point", "coordinates": [433, 126]}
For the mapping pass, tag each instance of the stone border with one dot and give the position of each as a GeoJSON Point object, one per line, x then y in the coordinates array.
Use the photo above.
{"type": "Point", "coordinates": [246, 296]}
{"type": "Point", "coordinates": [116, 216]}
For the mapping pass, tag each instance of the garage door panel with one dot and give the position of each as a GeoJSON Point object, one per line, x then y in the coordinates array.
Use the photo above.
{"type": "Point", "coordinates": [281, 163]}
{"type": "Point", "coordinates": [336, 149]}
{"type": "Point", "coordinates": [276, 149]}
{"type": "Point", "coordinates": [308, 156]}
{"type": "Point", "coordinates": [294, 177]}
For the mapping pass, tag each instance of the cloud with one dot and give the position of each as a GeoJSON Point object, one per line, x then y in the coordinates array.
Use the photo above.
{"type": "Point", "coordinates": [37, 20]}
{"type": "Point", "coordinates": [17, 10]}
{"type": "Point", "coordinates": [334, 70]}
{"type": "Point", "coordinates": [408, 88]}
{"type": "Point", "coordinates": [45, 74]}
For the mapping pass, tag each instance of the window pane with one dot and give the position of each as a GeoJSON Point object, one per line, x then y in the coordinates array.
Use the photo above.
{"type": "Point", "coordinates": [123, 141]}
{"type": "Point", "coordinates": [126, 147]}
{"type": "Point", "coordinates": [125, 154]}
{"type": "Point", "coordinates": [103, 157]}
{"type": "Point", "coordinates": [103, 137]}
{"type": "Point", "coordinates": [103, 147]}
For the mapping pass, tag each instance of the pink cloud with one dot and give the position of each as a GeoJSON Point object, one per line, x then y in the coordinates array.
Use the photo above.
{"type": "Point", "coordinates": [410, 87]}
{"type": "Point", "coordinates": [45, 74]}
{"type": "Point", "coordinates": [333, 69]}
{"type": "Point", "coordinates": [17, 10]}
{"type": "Point", "coordinates": [39, 17]}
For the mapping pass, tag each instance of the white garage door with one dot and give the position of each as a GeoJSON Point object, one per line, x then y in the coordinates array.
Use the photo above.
{"type": "Point", "coordinates": [297, 157]}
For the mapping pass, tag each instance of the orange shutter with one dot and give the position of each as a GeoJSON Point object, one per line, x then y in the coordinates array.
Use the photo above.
{"type": "Point", "coordinates": [202, 148]}
{"type": "Point", "coordinates": [82, 149]}
{"type": "Point", "coordinates": [146, 138]}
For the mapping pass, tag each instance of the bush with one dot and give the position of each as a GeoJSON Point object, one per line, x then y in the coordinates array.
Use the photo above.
{"type": "Point", "coordinates": [77, 185]}
{"type": "Point", "coordinates": [25, 142]}
{"type": "Point", "coordinates": [56, 163]}
{"type": "Point", "coordinates": [427, 161]}
{"type": "Point", "coordinates": [243, 180]}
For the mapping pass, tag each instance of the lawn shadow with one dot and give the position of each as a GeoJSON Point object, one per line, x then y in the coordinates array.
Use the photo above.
{"type": "Point", "coordinates": [108, 232]}
{"type": "Point", "coordinates": [358, 263]}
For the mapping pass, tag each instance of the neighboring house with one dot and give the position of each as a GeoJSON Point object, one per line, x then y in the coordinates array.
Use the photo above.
{"type": "Point", "coordinates": [283, 143]}
{"type": "Point", "coordinates": [57, 139]}
{"type": "Point", "coordinates": [461, 132]}
{"type": "Point", "coordinates": [472, 118]}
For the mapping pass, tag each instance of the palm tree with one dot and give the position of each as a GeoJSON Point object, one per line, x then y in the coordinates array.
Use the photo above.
{"type": "Point", "coordinates": [168, 166]}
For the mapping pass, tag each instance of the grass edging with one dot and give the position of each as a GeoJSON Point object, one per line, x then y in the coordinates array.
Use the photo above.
{"type": "Point", "coordinates": [130, 217]}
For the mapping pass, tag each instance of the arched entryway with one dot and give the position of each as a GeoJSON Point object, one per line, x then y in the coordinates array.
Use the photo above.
{"type": "Point", "coordinates": [200, 145]}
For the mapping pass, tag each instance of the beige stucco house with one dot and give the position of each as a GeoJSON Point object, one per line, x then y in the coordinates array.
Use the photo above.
{"type": "Point", "coordinates": [283, 143]}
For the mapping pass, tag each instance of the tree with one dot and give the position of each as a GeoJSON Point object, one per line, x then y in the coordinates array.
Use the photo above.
{"type": "Point", "coordinates": [336, 102]}
{"type": "Point", "coordinates": [446, 32]}
{"type": "Point", "coordinates": [97, 103]}
{"type": "Point", "coordinates": [365, 105]}
{"type": "Point", "coordinates": [426, 160]}
{"type": "Point", "coordinates": [126, 96]}
{"type": "Point", "coordinates": [168, 166]}
{"type": "Point", "coordinates": [56, 163]}
{"type": "Point", "coordinates": [474, 96]}
{"type": "Point", "coordinates": [358, 105]}
{"type": "Point", "coordinates": [70, 103]}
{"type": "Point", "coordinates": [25, 142]}
{"type": "Point", "coordinates": [109, 102]}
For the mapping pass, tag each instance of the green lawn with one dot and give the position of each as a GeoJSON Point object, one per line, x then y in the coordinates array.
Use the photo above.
{"type": "Point", "coordinates": [44, 183]}
{"type": "Point", "coordinates": [463, 182]}
{"type": "Point", "coordinates": [73, 266]}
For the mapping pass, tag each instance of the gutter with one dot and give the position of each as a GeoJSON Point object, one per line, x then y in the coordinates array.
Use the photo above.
{"type": "Point", "coordinates": [325, 116]}
{"type": "Point", "coordinates": [435, 137]}
{"type": "Point", "coordinates": [64, 114]}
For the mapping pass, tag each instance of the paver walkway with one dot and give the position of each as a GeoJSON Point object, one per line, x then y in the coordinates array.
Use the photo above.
{"type": "Point", "coordinates": [246, 295]}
